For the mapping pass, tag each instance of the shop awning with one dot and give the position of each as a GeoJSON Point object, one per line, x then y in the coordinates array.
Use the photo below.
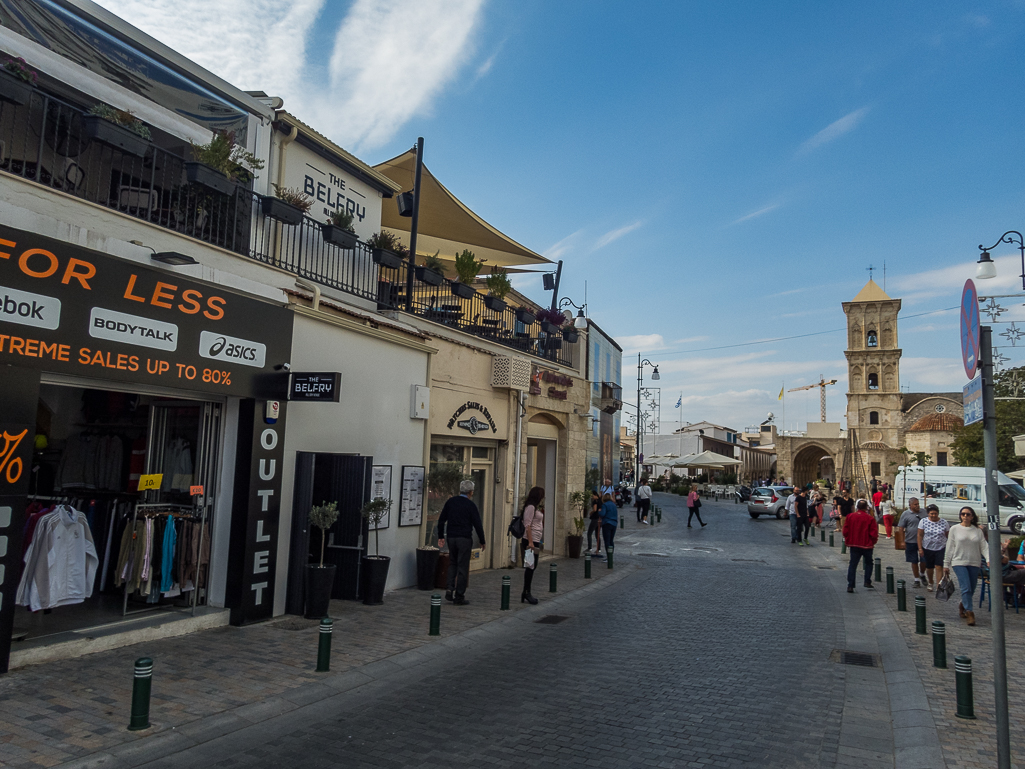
{"type": "Point", "coordinates": [446, 225]}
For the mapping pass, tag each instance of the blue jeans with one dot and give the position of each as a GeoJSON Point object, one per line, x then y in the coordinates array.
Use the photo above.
{"type": "Point", "coordinates": [857, 553]}
{"type": "Point", "coordinates": [967, 579]}
{"type": "Point", "coordinates": [794, 531]}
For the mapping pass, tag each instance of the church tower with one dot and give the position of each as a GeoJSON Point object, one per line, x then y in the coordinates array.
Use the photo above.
{"type": "Point", "coordinates": [873, 369]}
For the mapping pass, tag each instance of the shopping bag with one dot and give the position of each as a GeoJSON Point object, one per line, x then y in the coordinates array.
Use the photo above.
{"type": "Point", "coordinates": [898, 538]}
{"type": "Point", "coordinates": [944, 589]}
{"type": "Point", "coordinates": [528, 559]}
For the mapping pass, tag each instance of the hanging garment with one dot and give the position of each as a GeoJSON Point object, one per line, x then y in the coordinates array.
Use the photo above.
{"type": "Point", "coordinates": [77, 468]}
{"type": "Point", "coordinates": [60, 567]}
{"type": "Point", "coordinates": [167, 557]}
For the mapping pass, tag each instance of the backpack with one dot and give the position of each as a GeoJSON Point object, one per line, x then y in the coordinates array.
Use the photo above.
{"type": "Point", "coordinates": [516, 527]}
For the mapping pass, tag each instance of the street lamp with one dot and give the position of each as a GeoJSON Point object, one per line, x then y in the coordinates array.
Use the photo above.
{"type": "Point", "coordinates": [987, 269]}
{"type": "Point", "coordinates": [640, 435]}
{"type": "Point", "coordinates": [579, 322]}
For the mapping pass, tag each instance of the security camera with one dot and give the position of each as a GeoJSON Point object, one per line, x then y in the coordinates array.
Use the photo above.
{"type": "Point", "coordinates": [283, 366]}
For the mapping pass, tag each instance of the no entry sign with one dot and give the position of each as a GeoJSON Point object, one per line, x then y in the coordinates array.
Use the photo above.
{"type": "Point", "coordinates": [970, 328]}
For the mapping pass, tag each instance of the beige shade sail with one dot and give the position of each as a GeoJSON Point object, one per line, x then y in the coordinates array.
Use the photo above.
{"type": "Point", "coordinates": [446, 225]}
{"type": "Point", "coordinates": [709, 460]}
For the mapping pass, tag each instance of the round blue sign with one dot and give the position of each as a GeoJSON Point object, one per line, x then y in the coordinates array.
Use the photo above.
{"type": "Point", "coordinates": [970, 328]}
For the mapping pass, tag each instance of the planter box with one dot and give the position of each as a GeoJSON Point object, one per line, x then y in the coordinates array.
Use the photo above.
{"type": "Point", "coordinates": [426, 565]}
{"type": "Point", "coordinates": [387, 258]}
{"type": "Point", "coordinates": [462, 290]}
{"type": "Point", "coordinates": [320, 581]}
{"type": "Point", "coordinates": [494, 303]}
{"type": "Point", "coordinates": [283, 212]}
{"type": "Point", "coordinates": [103, 131]}
{"type": "Point", "coordinates": [430, 277]}
{"type": "Point", "coordinates": [574, 543]}
{"type": "Point", "coordinates": [526, 317]}
{"type": "Point", "coordinates": [211, 178]}
{"type": "Point", "coordinates": [334, 234]}
{"type": "Point", "coordinates": [549, 328]}
{"type": "Point", "coordinates": [13, 89]}
{"type": "Point", "coordinates": [374, 577]}
{"type": "Point", "coordinates": [570, 335]}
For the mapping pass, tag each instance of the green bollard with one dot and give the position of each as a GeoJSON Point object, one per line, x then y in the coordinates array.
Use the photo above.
{"type": "Point", "coordinates": [843, 546]}
{"type": "Point", "coordinates": [879, 570]}
{"type": "Point", "coordinates": [831, 540]}
{"type": "Point", "coordinates": [608, 556]}
{"type": "Point", "coordinates": [822, 534]}
{"type": "Point", "coordinates": [621, 524]}
{"type": "Point", "coordinates": [963, 677]}
{"type": "Point", "coordinates": [660, 515]}
{"type": "Point", "coordinates": [587, 565]}
{"type": "Point", "coordinates": [889, 580]}
{"type": "Point", "coordinates": [141, 684]}
{"type": "Point", "coordinates": [435, 615]}
{"type": "Point", "coordinates": [553, 578]}
{"type": "Point", "coordinates": [939, 644]}
{"type": "Point", "coordinates": [902, 595]}
{"type": "Point", "coordinates": [506, 587]}
{"type": "Point", "coordinates": [919, 615]}
{"type": "Point", "coordinates": [324, 647]}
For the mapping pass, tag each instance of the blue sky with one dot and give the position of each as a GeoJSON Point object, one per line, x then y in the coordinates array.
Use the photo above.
{"type": "Point", "coordinates": [717, 173]}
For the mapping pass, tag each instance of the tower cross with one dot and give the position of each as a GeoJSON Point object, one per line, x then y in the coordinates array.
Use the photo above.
{"type": "Point", "coordinates": [870, 269]}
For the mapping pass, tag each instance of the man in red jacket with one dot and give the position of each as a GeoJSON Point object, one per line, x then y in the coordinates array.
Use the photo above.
{"type": "Point", "coordinates": [860, 532]}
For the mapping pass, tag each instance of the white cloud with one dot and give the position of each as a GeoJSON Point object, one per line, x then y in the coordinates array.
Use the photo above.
{"type": "Point", "coordinates": [835, 130]}
{"type": "Point", "coordinates": [756, 214]}
{"type": "Point", "coordinates": [949, 281]}
{"type": "Point", "coordinates": [558, 250]}
{"type": "Point", "coordinates": [641, 343]}
{"type": "Point", "coordinates": [614, 235]}
{"type": "Point", "coordinates": [933, 374]}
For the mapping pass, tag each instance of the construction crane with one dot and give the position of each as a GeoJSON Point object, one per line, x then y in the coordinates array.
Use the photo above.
{"type": "Point", "coordinates": [822, 383]}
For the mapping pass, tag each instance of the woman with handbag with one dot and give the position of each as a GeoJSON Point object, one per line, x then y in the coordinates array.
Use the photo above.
{"type": "Point", "coordinates": [965, 546]}
{"type": "Point", "coordinates": [533, 539]}
{"type": "Point", "coordinates": [693, 505]}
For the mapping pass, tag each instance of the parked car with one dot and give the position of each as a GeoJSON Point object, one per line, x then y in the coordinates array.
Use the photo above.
{"type": "Point", "coordinates": [743, 493]}
{"type": "Point", "coordinates": [769, 500]}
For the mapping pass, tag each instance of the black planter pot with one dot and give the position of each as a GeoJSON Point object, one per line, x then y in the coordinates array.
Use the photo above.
{"type": "Point", "coordinates": [494, 303]}
{"type": "Point", "coordinates": [278, 209]}
{"type": "Point", "coordinates": [574, 542]}
{"type": "Point", "coordinates": [462, 290]}
{"type": "Point", "coordinates": [526, 317]}
{"type": "Point", "coordinates": [570, 335]}
{"type": "Point", "coordinates": [103, 131]}
{"type": "Point", "coordinates": [426, 563]}
{"type": "Point", "coordinates": [430, 277]}
{"type": "Point", "coordinates": [373, 578]}
{"type": "Point", "coordinates": [211, 178]}
{"type": "Point", "coordinates": [549, 328]}
{"type": "Point", "coordinates": [387, 258]}
{"type": "Point", "coordinates": [334, 234]}
{"type": "Point", "coordinates": [319, 582]}
{"type": "Point", "coordinates": [13, 89]}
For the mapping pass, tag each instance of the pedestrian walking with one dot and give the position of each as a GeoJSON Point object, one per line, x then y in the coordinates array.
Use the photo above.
{"type": "Point", "coordinates": [860, 532]}
{"type": "Point", "coordinates": [886, 510]}
{"type": "Point", "coordinates": [609, 521]}
{"type": "Point", "coordinates": [932, 542]}
{"type": "Point", "coordinates": [533, 539]}
{"type": "Point", "coordinates": [965, 548]}
{"type": "Point", "coordinates": [791, 507]}
{"type": "Point", "coordinates": [908, 522]}
{"type": "Point", "coordinates": [844, 506]}
{"type": "Point", "coordinates": [877, 500]}
{"type": "Point", "coordinates": [693, 506]}
{"type": "Point", "coordinates": [458, 520]}
{"type": "Point", "coordinates": [803, 523]}
{"type": "Point", "coordinates": [595, 525]}
{"type": "Point", "coordinates": [643, 501]}
{"type": "Point", "coordinates": [607, 488]}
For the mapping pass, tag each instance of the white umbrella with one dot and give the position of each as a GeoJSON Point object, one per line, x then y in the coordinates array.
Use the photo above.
{"type": "Point", "coordinates": [709, 460]}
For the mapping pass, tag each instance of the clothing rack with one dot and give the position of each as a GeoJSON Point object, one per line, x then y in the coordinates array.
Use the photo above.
{"type": "Point", "coordinates": [174, 511]}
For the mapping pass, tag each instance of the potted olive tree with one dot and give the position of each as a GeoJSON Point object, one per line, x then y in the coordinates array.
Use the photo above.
{"type": "Point", "coordinates": [575, 541]}
{"type": "Point", "coordinates": [286, 205]}
{"type": "Point", "coordinates": [320, 579]}
{"type": "Point", "coordinates": [338, 229]}
{"type": "Point", "coordinates": [117, 128]}
{"type": "Point", "coordinates": [432, 272]}
{"type": "Point", "coordinates": [498, 286]}
{"type": "Point", "coordinates": [16, 81]}
{"type": "Point", "coordinates": [467, 268]}
{"type": "Point", "coordinates": [386, 249]}
{"type": "Point", "coordinates": [221, 164]}
{"type": "Point", "coordinates": [375, 567]}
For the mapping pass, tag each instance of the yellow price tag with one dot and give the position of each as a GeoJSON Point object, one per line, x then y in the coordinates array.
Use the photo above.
{"type": "Point", "coordinates": [150, 481]}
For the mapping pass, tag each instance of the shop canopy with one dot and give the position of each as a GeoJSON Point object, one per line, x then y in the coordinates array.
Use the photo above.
{"type": "Point", "coordinates": [445, 224]}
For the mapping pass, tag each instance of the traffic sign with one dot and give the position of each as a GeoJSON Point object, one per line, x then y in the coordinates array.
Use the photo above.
{"type": "Point", "coordinates": [970, 328]}
{"type": "Point", "coordinates": [972, 401]}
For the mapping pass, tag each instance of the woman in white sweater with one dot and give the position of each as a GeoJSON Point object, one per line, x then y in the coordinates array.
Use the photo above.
{"type": "Point", "coordinates": [965, 546]}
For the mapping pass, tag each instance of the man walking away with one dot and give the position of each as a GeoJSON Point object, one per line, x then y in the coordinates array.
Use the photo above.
{"type": "Point", "coordinates": [791, 508]}
{"type": "Point", "coordinates": [693, 505]}
{"type": "Point", "coordinates": [609, 522]}
{"type": "Point", "coordinates": [643, 501]}
{"type": "Point", "coordinates": [860, 532]}
{"type": "Point", "coordinates": [909, 522]}
{"type": "Point", "coordinates": [458, 520]}
{"type": "Point", "coordinates": [803, 523]}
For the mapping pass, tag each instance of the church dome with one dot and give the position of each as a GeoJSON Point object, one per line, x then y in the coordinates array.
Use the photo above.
{"type": "Point", "coordinates": [936, 423]}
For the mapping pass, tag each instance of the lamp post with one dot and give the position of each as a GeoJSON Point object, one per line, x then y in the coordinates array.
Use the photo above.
{"type": "Point", "coordinates": [640, 433]}
{"type": "Point", "coordinates": [580, 321]}
{"type": "Point", "coordinates": [987, 269]}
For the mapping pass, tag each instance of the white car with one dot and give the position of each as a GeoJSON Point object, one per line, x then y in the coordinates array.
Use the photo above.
{"type": "Point", "coordinates": [769, 500]}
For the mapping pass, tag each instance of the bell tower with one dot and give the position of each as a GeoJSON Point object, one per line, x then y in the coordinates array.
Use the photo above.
{"type": "Point", "coordinates": [873, 367]}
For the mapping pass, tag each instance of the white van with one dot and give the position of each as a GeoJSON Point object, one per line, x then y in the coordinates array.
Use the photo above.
{"type": "Point", "coordinates": [951, 488]}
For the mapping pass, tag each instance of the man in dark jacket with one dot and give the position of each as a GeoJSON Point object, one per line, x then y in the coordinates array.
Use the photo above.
{"type": "Point", "coordinates": [456, 524]}
{"type": "Point", "coordinates": [860, 532]}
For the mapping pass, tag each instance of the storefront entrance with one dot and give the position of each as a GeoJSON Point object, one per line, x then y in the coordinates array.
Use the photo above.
{"type": "Point", "coordinates": [450, 464]}
{"type": "Point", "coordinates": [542, 453]}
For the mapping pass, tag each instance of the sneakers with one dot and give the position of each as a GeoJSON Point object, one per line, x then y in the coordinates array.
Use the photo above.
{"type": "Point", "coordinates": [645, 522]}
{"type": "Point", "coordinates": [807, 543]}
{"type": "Point", "coordinates": [918, 583]}
{"type": "Point", "coordinates": [801, 543]}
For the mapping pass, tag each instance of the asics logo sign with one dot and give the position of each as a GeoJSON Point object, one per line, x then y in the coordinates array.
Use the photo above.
{"type": "Point", "coordinates": [232, 349]}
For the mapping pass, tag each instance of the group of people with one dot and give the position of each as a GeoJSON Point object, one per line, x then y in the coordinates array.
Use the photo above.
{"type": "Point", "coordinates": [805, 510]}
{"type": "Point", "coordinates": [604, 515]}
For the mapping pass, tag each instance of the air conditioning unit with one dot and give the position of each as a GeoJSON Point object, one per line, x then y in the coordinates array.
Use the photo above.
{"type": "Point", "coordinates": [513, 373]}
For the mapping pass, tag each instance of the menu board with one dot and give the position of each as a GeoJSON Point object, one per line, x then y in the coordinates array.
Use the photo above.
{"type": "Point", "coordinates": [412, 506]}
{"type": "Point", "coordinates": [380, 488]}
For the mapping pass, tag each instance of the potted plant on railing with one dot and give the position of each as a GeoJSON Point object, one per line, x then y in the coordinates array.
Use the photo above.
{"type": "Point", "coordinates": [468, 268]}
{"type": "Point", "coordinates": [117, 128]}
{"type": "Point", "coordinates": [525, 315]}
{"type": "Point", "coordinates": [432, 272]}
{"type": "Point", "coordinates": [575, 541]}
{"type": "Point", "coordinates": [320, 579]}
{"type": "Point", "coordinates": [16, 81]}
{"type": "Point", "coordinates": [375, 567]}
{"type": "Point", "coordinates": [498, 286]}
{"type": "Point", "coordinates": [221, 164]}
{"type": "Point", "coordinates": [286, 205]}
{"type": "Point", "coordinates": [338, 229]}
{"type": "Point", "coordinates": [570, 334]}
{"type": "Point", "coordinates": [386, 249]}
{"type": "Point", "coordinates": [550, 320]}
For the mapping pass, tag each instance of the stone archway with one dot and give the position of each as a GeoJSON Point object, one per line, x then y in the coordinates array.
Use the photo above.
{"type": "Point", "coordinates": [812, 462]}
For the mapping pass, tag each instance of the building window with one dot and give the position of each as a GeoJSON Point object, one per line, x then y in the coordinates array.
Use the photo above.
{"type": "Point", "coordinates": [872, 340]}
{"type": "Point", "coordinates": [941, 459]}
{"type": "Point", "coordinates": [875, 469]}
{"type": "Point", "coordinates": [873, 381]}
{"type": "Point", "coordinates": [873, 417]}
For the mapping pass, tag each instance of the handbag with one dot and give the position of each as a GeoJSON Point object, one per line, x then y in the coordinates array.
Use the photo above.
{"type": "Point", "coordinates": [516, 527]}
{"type": "Point", "coordinates": [697, 502]}
{"type": "Point", "coordinates": [898, 538]}
{"type": "Point", "coordinates": [944, 589]}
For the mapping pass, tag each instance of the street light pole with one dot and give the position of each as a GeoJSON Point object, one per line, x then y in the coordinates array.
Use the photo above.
{"type": "Point", "coordinates": [414, 225]}
{"type": "Point", "coordinates": [640, 432]}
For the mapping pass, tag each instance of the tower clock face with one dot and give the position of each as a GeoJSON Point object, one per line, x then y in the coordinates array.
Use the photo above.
{"type": "Point", "coordinates": [940, 408]}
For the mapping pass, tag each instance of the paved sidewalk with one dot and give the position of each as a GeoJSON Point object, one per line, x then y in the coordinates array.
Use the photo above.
{"type": "Point", "coordinates": [56, 712]}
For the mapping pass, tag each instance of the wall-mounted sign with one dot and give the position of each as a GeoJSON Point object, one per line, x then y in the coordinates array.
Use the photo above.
{"type": "Point", "coordinates": [972, 399]}
{"type": "Point", "coordinates": [380, 488]}
{"type": "Point", "coordinates": [470, 422]}
{"type": "Point", "coordinates": [412, 504]}
{"type": "Point", "coordinates": [316, 387]}
{"type": "Point", "coordinates": [151, 481]}
{"type": "Point", "coordinates": [540, 375]}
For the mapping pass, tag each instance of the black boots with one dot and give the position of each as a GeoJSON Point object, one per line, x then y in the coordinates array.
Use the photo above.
{"type": "Point", "coordinates": [528, 598]}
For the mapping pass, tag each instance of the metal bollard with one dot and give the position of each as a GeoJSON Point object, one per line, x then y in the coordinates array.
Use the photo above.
{"type": "Point", "coordinates": [831, 540]}
{"type": "Point", "coordinates": [324, 647]}
{"type": "Point", "coordinates": [822, 534]}
{"type": "Point", "coordinates": [920, 615]}
{"type": "Point", "coordinates": [435, 615]}
{"type": "Point", "coordinates": [963, 677]}
{"type": "Point", "coordinates": [939, 644]}
{"type": "Point", "coordinates": [879, 570]}
{"type": "Point", "coordinates": [553, 578]}
{"type": "Point", "coordinates": [889, 580]}
{"type": "Point", "coordinates": [141, 684]}
{"type": "Point", "coordinates": [621, 524]}
{"type": "Point", "coordinates": [843, 546]}
{"type": "Point", "coordinates": [902, 595]}
{"type": "Point", "coordinates": [660, 515]}
{"type": "Point", "coordinates": [587, 565]}
{"type": "Point", "coordinates": [506, 587]}
{"type": "Point", "coordinates": [608, 556]}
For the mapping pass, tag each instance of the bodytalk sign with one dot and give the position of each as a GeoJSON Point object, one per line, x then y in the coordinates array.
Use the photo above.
{"type": "Point", "coordinates": [71, 310]}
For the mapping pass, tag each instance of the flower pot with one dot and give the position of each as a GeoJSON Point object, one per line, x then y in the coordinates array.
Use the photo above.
{"type": "Point", "coordinates": [13, 89]}
{"type": "Point", "coordinates": [525, 316]}
{"type": "Point", "coordinates": [574, 542]}
{"type": "Point", "coordinates": [320, 580]}
{"type": "Point", "coordinates": [570, 335]}
{"type": "Point", "coordinates": [283, 212]}
{"type": "Point", "coordinates": [462, 290]}
{"type": "Point", "coordinates": [373, 578]}
{"type": "Point", "coordinates": [334, 234]}
{"type": "Point", "coordinates": [430, 277]}
{"type": "Point", "coordinates": [387, 258]}
{"type": "Point", "coordinates": [103, 131]}
{"type": "Point", "coordinates": [549, 328]}
{"type": "Point", "coordinates": [211, 178]}
{"type": "Point", "coordinates": [441, 571]}
{"type": "Point", "coordinates": [494, 303]}
{"type": "Point", "coordinates": [426, 564]}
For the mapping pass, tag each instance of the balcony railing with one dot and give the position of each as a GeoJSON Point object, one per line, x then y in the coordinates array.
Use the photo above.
{"type": "Point", "coordinates": [46, 141]}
